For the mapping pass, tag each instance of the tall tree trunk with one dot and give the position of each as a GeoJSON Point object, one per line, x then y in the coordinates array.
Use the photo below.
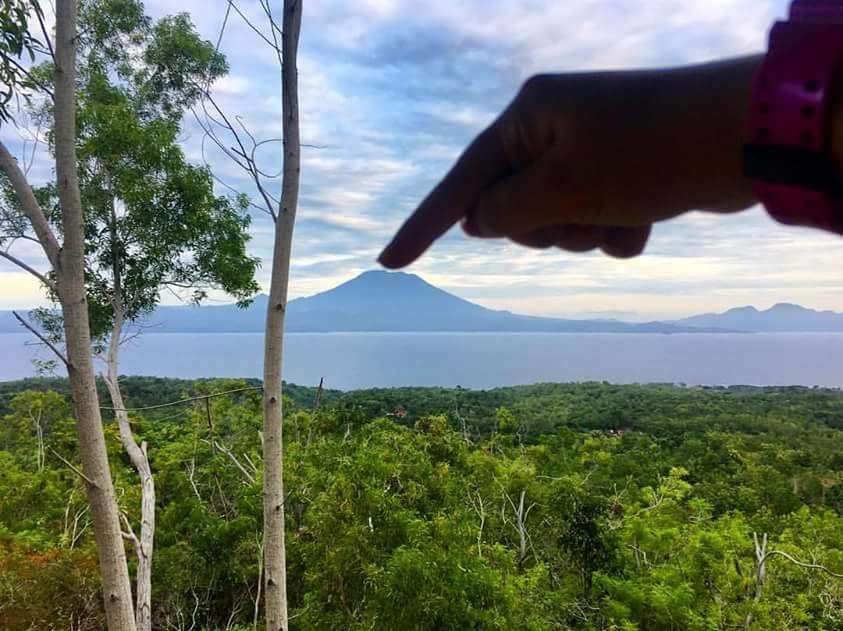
{"type": "Point", "coordinates": [140, 460]}
{"type": "Point", "coordinates": [760, 576]}
{"type": "Point", "coordinates": [104, 512]}
{"type": "Point", "coordinates": [275, 566]}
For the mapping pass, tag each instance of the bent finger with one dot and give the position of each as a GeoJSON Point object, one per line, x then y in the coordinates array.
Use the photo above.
{"type": "Point", "coordinates": [479, 167]}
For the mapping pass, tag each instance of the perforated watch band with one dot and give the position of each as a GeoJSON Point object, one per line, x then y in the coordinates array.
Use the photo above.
{"type": "Point", "coordinates": [788, 155]}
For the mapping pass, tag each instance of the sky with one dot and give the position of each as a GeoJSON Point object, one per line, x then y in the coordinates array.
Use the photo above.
{"type": "Point", "coordinates": [392, 90]}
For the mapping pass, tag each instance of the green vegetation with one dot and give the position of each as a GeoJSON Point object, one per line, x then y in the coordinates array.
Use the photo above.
{"type": "Point", "coordinates": [585, 506]}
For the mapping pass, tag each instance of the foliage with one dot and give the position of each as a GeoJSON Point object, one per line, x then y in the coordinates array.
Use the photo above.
{"type": "Point", "coordinates": [639, 505]}
{"type": "Point", "coordinates": [153, 222]}
{"type": "Point", "coordinates": [18, 48]}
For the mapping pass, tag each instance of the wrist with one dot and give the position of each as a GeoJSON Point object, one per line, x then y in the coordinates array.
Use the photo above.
{"type": "Point", "coordinates": [712, 103]}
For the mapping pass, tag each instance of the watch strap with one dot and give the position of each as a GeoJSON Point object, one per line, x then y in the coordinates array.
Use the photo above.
{"type": "Point", "coordinates": [788, 155]}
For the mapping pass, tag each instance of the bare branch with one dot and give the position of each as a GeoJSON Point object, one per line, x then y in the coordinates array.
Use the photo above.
{"type": "Point", "coordinates": [41, 337]}
{"type": "Point", "coordinates": [28, 75]}
{"type": "Point", "coordinates": [257, 31]}
{"type": "Point", "coordinates": [40, 15]}
{"type": "Point", "coordinates": [251, 464]}
{"type": "Point", "coordinates": [222, 28]}
{"type": "Point", "coordinates": [241, 156]}
{"type": "Point", "coordinates": [191, 472]}
{"type": "Point", "coordinates": [246, 474]}
{"type": "Point", "coordinates": [274, 30]}
{"type": "Point", "coordinates": [73, 468]}
{"type": "Point", "coordinates": [807, 566]}
{"type": "Point", "coordinates": [29, 268]}
{"type": "Point", "coordinates": [29, 204]}
{"type": "Point", "coordinates": [129, 533]}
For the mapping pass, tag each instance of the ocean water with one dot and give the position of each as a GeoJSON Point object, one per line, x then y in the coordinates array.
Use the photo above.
{"type": "Point", "coordinates": [478, 360]}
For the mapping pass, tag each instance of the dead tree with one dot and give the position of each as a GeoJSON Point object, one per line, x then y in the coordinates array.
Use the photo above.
{"type": "Point", "coordinates": [762, 556]}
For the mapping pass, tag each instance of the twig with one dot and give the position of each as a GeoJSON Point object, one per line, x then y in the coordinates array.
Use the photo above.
{"type": "Point", "coordinates": [73, 468]}
{"type": "Point", "coordinates": [40, 15]}
{"type": "Point", "coordinates": [28, 268]}
{"type": "Point", "coordinates": [191, 471]}
{"type": "Point", "coordinates": [43, 339]}
{"type": "Point", "coordinates": [249, 477]}
{"type": "Point", "coordinates": [257, 31]}
{"type": "Point", "coordinates": [129, 535]}
{"type": "Point", "coordinates": [29, 76]}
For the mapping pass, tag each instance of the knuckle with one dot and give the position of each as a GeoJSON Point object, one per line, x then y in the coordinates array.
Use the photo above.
{"type": "Point", "coordinates": [533, 90]}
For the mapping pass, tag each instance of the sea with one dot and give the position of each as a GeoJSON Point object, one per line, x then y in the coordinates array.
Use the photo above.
{"type": "Point", "coordinates": [350, 361]}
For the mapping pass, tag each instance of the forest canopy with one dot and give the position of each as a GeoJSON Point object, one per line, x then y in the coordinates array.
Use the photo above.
{"type": "Point", "coordinates": [582, 506]}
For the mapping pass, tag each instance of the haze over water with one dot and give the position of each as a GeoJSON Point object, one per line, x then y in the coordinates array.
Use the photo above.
{"type": "Point", "coordinates": [479, 360]}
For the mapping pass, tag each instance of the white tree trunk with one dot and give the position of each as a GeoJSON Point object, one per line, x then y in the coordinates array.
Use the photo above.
{"type": "Point", "coordinates": [39, 432]}
{"type": "Point", "coordinates": [71, 273]}
{"type": "Point", "coordinates": [140, 460]}
{"type": "Point", "coordinates": [275, 579]}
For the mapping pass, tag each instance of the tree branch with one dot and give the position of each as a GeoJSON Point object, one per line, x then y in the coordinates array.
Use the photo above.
{"type": "Point", "coordinates": [807, 566]}
{"type": "Point", "coordinates": [29, 269]}
{"type": "Point", "coordinates": [254, 28]}
{"type": "Point", "coordinates": [73, 468]}
{"type": "Point", "coordinates": [39, 13]}
{"type": "Point", "coordinates": [30, 206]}
{"type": "Point", "coordinates": [129, 534]}
{"type": "Point", "coordinates": [43, 339]}
{"type": "Point", "coordinates": [248, 476]}
{"type": "Point", "coordinates": [29, 76]}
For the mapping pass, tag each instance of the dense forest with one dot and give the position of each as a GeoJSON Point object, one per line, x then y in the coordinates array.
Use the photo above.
{"type": "Point", "coordinates": [582, 506]}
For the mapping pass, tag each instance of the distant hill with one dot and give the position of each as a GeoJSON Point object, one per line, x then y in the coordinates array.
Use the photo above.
{"type": "Point", "coordinates": [377, 301]}
{"type": "Point", "coordinates": [782, 317]}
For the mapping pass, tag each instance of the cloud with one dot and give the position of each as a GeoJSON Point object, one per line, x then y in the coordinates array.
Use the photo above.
{"type": "Point", "coordinates": [232, 86]}
{"type": "Point", "coordinates": [392, 90]}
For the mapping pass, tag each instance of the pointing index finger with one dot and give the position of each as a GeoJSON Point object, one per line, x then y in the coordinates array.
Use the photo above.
{"type": "Point", "coordinates": [480, 166]}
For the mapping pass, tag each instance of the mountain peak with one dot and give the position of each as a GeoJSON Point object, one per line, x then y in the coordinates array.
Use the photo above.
{"type": "Point", "coordinates": [742, 310]}
{"type": "Point", "coordinates": [782, 316]}
{"type": "Point", "coordinates": [385, 276]}
{"type": "Point", "coordinates": [787, 306]}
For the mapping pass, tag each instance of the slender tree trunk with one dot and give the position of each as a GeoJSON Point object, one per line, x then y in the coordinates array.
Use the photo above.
{"type": "Point", "coordinates": [275, 579]}
{"type": "Point", "coordinates": [39, 431]}
{"type": "Point", "coordinates": [760, 576]}
{"type": "Point", "coordinates": [104, 513]}
{"type": "Point", "coordinates": [522, 532]}
{"type": "Point", "coordinates": [140, 460]}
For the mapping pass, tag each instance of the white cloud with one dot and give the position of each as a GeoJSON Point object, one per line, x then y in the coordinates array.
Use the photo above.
{"type": "Point", "coordinates": [231, 85]}
{"type": "Point", "coordinates": [392, 90]}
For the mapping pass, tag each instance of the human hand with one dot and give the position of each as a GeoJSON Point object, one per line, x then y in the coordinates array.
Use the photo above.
{"type": "Point", "coordinates": [586, 161]}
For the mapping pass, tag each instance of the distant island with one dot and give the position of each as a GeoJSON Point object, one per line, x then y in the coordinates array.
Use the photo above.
{"type": "Point", "coordinates": [380, 301]}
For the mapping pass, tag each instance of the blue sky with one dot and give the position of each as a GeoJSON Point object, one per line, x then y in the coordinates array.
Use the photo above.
{"type": "Point", "coordinates": [391, 91]}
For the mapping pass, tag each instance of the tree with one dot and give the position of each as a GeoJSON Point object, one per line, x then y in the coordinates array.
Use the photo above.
{"type": "Point", "coordinates": [34, 414]}
{"type": "Point", "coordinates": [152, 220]}
{"type": "Point", "coordinates": [161, 222]}
{"type": "Point", "coordinates": [275, 566]}
{"type": "Point", "coordinates": [67, 262]}
{"type": "Point", "coordinates": [240, 146]}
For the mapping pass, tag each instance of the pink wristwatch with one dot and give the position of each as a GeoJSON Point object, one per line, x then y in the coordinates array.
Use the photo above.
{"type": "Point", "coordinates": [788, 154]}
